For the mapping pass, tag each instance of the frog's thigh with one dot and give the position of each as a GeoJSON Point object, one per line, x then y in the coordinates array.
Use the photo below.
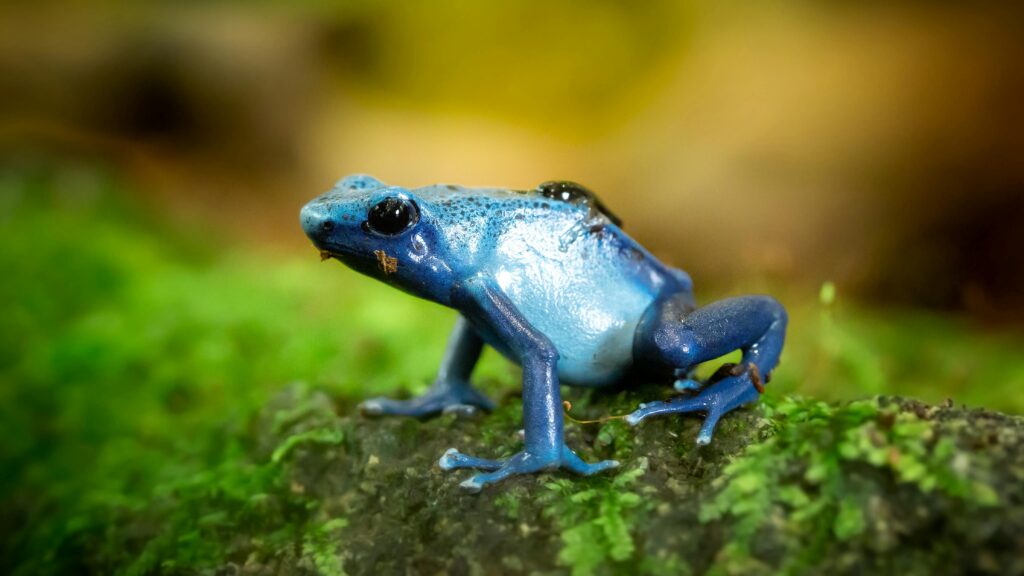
{"type": "Point", "coordinates": [659, 339]}
{"type": "Point", "coordinates": [675, 334]}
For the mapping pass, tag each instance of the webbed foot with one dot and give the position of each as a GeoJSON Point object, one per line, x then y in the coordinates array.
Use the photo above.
{"type": "Point", "coordinates": [522, 463]}
{"type": "Point", "coordinates": [729, 392]}
{"type": "Point", "coordinates": [459, 398]}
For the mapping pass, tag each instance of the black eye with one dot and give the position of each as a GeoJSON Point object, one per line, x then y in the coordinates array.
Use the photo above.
{"type": "Point", "coordinates": [391, 216]}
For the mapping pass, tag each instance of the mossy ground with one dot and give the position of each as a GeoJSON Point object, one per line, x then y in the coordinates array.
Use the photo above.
{"type": "Point", "coordinates": [168, 406]}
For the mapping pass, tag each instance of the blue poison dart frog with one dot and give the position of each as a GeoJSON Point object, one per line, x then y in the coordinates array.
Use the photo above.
{"type": "Point", "coordinates": [549, 279]}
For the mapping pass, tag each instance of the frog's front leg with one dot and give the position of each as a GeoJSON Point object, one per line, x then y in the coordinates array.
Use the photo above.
{"type": "Point", "coordinates": [545, 449]}
{"type": "Point", "coordinates": [674, 334]}
{"type": "Point", "coordinates": [451, 390]}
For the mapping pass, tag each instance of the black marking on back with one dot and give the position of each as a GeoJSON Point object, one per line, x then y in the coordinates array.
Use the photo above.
{"type": "Point", "coordinates": [573, 193]}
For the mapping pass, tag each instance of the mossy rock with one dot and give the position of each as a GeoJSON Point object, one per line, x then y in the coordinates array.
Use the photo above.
{"type": "Point", "coordinates": [884, 485]}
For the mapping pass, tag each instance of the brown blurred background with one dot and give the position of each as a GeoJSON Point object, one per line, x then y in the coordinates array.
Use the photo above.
{"type": "Point", "coordinates": [879, 145]}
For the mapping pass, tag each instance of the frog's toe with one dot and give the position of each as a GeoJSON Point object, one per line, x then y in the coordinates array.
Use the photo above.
{"type": "Point", "coordinates": [473, 484]}
{"type": "Point", "coordinates": [416, 407]}
{"type": "Point", "coordinates": [673, 406]}
{"type": "Point", "coordinates": [449, 460]}
{"type": "Point", "coordinates": [462, 400]}
{"type": "Point", "coordinates": [707, 429]}
{"type": "Point", "coordinates": [476, 483]}
{"type": "Point", "coordinates": [572, 462]}
{"type": "Point", "coordinates": [452, 459]}
{"type": "Point", "coordinates": [687, 385]}
{"type": "Point", "coordinates": [461, 410]}
{"type": "Point", "coordinates": [588, 469]}
{"type": "Point", "coordinates": [521, 463]}
{"type": "Point", "coordinates": [373, 407]}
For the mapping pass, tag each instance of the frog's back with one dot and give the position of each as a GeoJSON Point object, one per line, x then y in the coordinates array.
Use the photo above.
{"type": "Point", "coordinates": [566, 266]}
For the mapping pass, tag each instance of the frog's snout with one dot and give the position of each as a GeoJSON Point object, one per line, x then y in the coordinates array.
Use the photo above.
{"type": "Point", "coordinates": [317, 222]}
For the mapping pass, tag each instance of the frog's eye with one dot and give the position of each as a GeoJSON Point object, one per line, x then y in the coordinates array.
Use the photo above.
{"type": "Point", "coordinates": [391, 216]}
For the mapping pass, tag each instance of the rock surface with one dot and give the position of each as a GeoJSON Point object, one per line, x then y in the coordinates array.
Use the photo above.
{"type": "Point", "coordinates": [885, 485]}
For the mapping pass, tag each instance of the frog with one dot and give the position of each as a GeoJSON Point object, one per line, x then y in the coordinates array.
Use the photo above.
{"type": "Point", "coordinates": [549, 279]}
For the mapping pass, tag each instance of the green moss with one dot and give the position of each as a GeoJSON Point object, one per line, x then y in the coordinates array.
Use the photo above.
{"type": "Point", "coordinates": [616, 439]}
{"type": "Point", "coordinates": [500, 433]}
{"type": "Point", "coordinates": [321, 436]}
{"type": "Point", "coordinates": [596, 518]}
{"type": "Point", "coordinates": [509, 503]}
{"type": "Point", "coordinates": [805, 479]}
{"type": "Point", "coordinates": [321, 544]}
{"type": "Point", "coordinates": [244, 509]}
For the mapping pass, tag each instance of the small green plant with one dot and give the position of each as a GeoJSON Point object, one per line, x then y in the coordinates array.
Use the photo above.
{"type": "Point", "coordinates": [316, 436]}
{"type": "Point", "coordinates": [321, 544]}
{"type": "Point", "coordinates": [595, 519]}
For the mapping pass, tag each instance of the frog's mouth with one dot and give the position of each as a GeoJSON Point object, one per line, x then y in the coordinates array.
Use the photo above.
{"type": "Point", "coordinates": [342, 254]}
{"type": "Point", "coordinates": [329, 251]}
{"type": "Point", "coordinates": [369, 264]}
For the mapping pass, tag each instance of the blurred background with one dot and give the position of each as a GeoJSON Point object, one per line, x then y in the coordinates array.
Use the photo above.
{"type": "Point", "coordinates": [880, 145]}
{"type": "Point", "coordinates": [863, 161]}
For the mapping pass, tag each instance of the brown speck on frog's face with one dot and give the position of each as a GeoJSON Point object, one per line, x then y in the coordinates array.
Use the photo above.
{"type": "Point", "coordinates": [388, 264]}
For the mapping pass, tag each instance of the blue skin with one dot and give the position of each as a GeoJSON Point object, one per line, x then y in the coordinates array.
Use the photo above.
{"type": "Point", "coordinates": [555, 285]}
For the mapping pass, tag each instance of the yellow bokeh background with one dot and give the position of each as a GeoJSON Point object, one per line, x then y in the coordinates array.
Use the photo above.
{"type": "Point", "coordinates": [876, 145]}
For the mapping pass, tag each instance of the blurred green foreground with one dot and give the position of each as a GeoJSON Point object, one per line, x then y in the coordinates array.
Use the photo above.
{"type": "Point", "coordinates": [134, 357]}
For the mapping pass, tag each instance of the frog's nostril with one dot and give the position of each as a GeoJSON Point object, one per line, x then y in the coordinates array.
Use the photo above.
{"type": "Point", "coordinates": [317, 221]}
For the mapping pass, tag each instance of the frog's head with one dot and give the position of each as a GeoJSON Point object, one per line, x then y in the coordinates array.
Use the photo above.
{"type": "Point", "coordinates": [378, 230]}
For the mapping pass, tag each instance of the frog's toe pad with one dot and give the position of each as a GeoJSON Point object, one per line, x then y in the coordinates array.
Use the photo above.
{"type": "Point", "coordinates": [448, 459]}
{"type": "Point", "coordinates": [371, 408]}
{"type": "Point", "coordinates": [675, 405]}
{"type": "Point", "coordinates": [472, 485]}
{"type": "Point", "coordinates": [687, 385]}
{"type": "Point", "coordinates": [424, 406]}
{"type": "Point", "coordinates": [461, 410]}
{"type": "Point", "coordinates": [705, 435]}
{"type": "Point", "coordinates": [587, 469]}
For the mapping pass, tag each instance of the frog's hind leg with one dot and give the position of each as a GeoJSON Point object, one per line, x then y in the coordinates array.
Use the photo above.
{"type": "Point", "coordinates": [675, 334]}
